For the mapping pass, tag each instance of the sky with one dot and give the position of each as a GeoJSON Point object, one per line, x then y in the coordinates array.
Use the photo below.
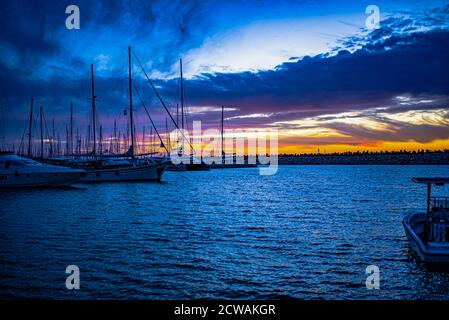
{"type": "Point", "coordinates": [313, 70]}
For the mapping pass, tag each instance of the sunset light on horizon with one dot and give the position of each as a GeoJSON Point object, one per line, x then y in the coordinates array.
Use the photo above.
{"type": "Point", "coordinates": [314, 71]}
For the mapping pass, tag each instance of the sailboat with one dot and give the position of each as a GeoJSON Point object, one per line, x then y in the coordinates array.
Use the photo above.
{"type": "Point", "coordinates": [132, 167]}
{"type": "Point", "coordinates": [235, 163]}
{"type": "Point", "coordinates": [194, 164]}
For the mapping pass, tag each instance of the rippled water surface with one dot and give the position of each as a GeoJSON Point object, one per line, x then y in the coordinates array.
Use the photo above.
{"type": "Point", "coordinates": [306, 232]}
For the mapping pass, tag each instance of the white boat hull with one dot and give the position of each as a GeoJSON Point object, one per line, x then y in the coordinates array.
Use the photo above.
{"type": "Point", "coordinates": [21, 172]}
{"type": "Point", "coordinates": [428, 253]}
{"type": "Point", "coordinates": [150, 172]}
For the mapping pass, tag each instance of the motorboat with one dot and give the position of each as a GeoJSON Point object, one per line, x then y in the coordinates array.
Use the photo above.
{"type": "Point", "coordinates": [428, 232]}
{"type": "Point", "coordinates": [20, 172]}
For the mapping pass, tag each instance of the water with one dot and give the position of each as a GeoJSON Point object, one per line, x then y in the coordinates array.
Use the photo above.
{"type": "Point", "coordinates": [307, 232]}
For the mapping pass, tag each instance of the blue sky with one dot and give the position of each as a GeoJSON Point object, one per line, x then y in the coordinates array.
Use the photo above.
{"type": "Point", "coordinates": [284, 64]}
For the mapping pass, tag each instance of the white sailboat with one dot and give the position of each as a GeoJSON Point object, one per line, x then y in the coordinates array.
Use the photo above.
{"type": "Point", "coordinates": [19, 172]}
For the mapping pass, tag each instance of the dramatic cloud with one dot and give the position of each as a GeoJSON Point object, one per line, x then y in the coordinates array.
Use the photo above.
{"type": "Point", "coordinates": [388, 84]}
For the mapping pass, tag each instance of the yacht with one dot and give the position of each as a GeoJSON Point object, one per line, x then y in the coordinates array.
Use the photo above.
{"type": "Point", "coordinates": [16, 172]}
{"type": "Point", "coordinates": [137, 170]}
{"type": "Point", "coordinates": [126, 167]}
{"type": "Point", "coordinates": [428, 232]}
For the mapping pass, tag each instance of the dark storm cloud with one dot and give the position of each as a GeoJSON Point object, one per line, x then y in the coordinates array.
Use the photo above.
{"type": "Point", "coordinates": [370, 77]}
{"type": "Point", "coordinates": [33, 33]}
{"type": "Point", "coordinates": [365, 72]}
{"type": "Point", "coordinates": [40, 58]}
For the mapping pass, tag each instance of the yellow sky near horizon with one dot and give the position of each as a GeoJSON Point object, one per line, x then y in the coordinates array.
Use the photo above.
{"type": "Point", "coordinates": [372, 130]}
{"type": "Point", "coordinates": [285, 146]}
{"type": "Point", "coordinates": [372, 147]}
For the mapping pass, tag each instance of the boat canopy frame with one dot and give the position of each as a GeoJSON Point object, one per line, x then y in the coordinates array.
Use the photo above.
{"type": "Point", "coordinates": [429, 181]}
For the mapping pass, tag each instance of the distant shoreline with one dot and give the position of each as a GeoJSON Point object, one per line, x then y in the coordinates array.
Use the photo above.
{"type": "Point", "coordinates": [366, 158]}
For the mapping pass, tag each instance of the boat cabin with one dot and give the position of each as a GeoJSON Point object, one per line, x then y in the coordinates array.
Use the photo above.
{"type": "Point", "coordinates": [436, 226]}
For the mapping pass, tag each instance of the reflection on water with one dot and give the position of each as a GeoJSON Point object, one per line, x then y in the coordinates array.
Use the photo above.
{"type": "Point", "coordinates": [307, 232]}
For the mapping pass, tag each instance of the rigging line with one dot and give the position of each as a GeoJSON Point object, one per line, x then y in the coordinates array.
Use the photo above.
{"type": "Point", "coordinates": [160, 99]}
{"type": "Point", "coordinates": [155, 91]}
{"type": "Point", "coordinates": [154, 88]}
{"type": "Point", "coordinates": [152, 123]}
{"type": "Point", "coordinates": [47, 131]}
{"type": "Point", "coordinates": [22, 143]}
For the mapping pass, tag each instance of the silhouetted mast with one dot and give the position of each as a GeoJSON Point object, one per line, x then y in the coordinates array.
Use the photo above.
{"type": "Point", "coordinates": [167, 138]}
{"type": "Point", "coordinates": [67, 143]}
{"type": "Point", "coordinates": [131, 102]}
{"type": "Point", "coordinates": [120, 141]}
{"type": "Point", "coordinates": [222, 131]}
{"type": "Point", "coordinates": [51, 151]}
{"type": "Point", "coordinates": [94, 149]}
{"type": "Point", "coordinates": [87, 140]}
{"type": "Point", "coordinates": [116, 139]}
{"type": "Point", "coordinates": [143, 140]}
{"type": "Point", "coordinates": [101, 140]}
{"type": "Point", "coordinates": [30, 128]}
{"type": "Point", "coordinates": [59, 144]}
{"type": "Point", "coordinates": [42, 133]}
{"type": "Point", "coordinates": [151, 140]}
{"type": "Point", "coordinates": [53, 142]}
{"type": "Point", "coordinates": [177, 114]}
{"type": "Point", "coordinates": [182, 97]}
{"type": "Point", "coordinates": [78, 142]}
{"type": "Point", "coordinates": [71, 129]}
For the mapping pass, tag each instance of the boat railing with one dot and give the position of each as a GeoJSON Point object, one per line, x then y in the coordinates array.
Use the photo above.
{"type": "Point", "coordinates": [440, 202]}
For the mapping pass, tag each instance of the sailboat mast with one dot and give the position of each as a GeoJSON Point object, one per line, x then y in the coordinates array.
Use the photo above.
{"type": "Point", "coordinates": [119, 141]}
{"type": "Point", "coordinates": [222, 131]}
{"type": "Point", "coordinates": [71, 129]}
{"type": "Point", "coordinates": [30, 128]}
{"type": "Point", "coordinates": [110, 144]}
{"type": "Point", "coordinates": [177, 114]}
{"type": "Point", "coordinates": [169, 143]}
{"type": "Point", "coordinates": [53, 140]}
{"type": "Point", "coordinates": [131, 103]}
{"type": "Point", "coordinates": [59, 144]}
{"type": "Point", "coordinates": [101, 141]}
{"type": "Point", "coordinates": [116, 139]}
{"type": "Point", "coordinates": [94, 150]}
{"type": "Point", "coordinates": [42, 133]}
{"type": "Point", "coordinates": [67, 143]}
{"type": "Point", "coordinates": [151, 139]}
{"type": "Point", "coordinates": [78, 142]}
{"type": "Point", "coordinates": [167, 135]}
{"type": "Point", "coordinates": [51, 151]}
{"type": "Point", "coordinates": [87, 140]}
{"type": "Point", "coordinates": [143, 140]}
{"type": "Point", "coordinates": [182, 96]}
